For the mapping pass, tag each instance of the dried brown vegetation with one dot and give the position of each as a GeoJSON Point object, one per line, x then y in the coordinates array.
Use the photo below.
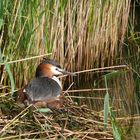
{"type": "Point", "coordinates": [96, 39]}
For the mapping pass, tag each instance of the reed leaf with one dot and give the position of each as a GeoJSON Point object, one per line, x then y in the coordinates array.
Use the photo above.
{"type": "Point", "coordinates": [106, 106]}
{"type": "Point", "coordinates": [7, 67]}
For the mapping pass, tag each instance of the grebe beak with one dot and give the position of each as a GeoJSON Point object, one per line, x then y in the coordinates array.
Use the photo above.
{"type": "Point", "coordinates": [66, 72]}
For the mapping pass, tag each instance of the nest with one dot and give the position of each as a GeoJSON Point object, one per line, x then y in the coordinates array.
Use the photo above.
{"type": "Point", "coordinates": [72, 122]}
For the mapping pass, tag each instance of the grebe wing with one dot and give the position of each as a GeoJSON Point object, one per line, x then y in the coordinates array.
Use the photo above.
{"type": "Point", "coordinates": [42, 88]}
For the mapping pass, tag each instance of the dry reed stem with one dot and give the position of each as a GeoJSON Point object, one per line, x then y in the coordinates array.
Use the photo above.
{"type": "Point", "coordinates": [25, 59]}
{"type": "Point", "coordinates": [14, 120]}
{"type": "Point", "coordinates": [87, 90]}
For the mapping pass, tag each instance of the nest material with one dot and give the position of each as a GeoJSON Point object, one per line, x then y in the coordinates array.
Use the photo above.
{"type": "Point", "coordinates": [73, 121]}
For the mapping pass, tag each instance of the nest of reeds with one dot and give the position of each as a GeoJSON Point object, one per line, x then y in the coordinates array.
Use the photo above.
{"type": "Point", "coordinates": [74, 121]}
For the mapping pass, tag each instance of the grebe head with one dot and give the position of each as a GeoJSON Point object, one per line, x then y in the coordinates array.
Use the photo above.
{"type": "Point", "coordinates": [50, 68]}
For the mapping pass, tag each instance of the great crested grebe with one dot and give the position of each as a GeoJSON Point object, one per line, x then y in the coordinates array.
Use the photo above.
{"type": "Point", "coordinates": [45, 89]}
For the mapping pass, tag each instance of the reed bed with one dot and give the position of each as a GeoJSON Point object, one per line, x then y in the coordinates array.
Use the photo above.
{"type": "Point", "coordinates": [98, 40]}
{"type": "Point", "coordinates": [79, 34]}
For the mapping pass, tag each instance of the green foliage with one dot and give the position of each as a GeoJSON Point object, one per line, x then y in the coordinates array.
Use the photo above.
{"type": "Point", "coordinates": [108, 111]}
{"type": "Point", "coordinates": [106, 106]}
{"type": "Point", "coordinates": [44, 110]}
{"type": "Point", "coordinates": [116, 129]}
{"type": "Point", "coordinates": [11, 78]}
